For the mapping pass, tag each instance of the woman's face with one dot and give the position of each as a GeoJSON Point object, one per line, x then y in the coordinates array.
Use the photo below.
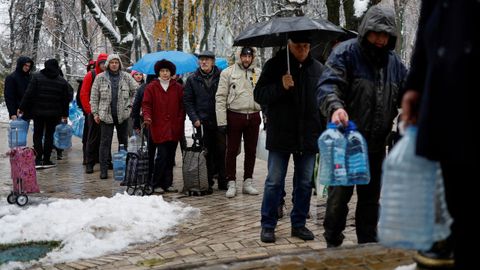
{"type": "Point", "coordinates": [164, 74]}
{"type": "Point", "coordinates": [138, 77]}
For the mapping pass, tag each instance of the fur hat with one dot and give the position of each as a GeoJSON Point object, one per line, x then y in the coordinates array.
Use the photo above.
{"type": "Point", "coordinates": [165, 64]}
{"type": "Point", "coordinates": [300, 37]}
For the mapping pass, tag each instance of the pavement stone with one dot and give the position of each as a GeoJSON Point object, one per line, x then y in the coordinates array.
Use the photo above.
{"type": "Point", "coordinates": [230, 240]}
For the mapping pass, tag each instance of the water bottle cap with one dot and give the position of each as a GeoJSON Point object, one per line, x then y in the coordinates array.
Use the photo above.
{"type": "Point", "coordinates": [351, 126]}
{"type": "Point", "coordinates": [331, 125]}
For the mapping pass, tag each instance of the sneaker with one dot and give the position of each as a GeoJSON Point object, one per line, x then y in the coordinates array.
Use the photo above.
{"type": "Point", "coordinates": [302, 233]}
{"type": "Point", "coordinates": [171, 189]}
{"type": "Point", "coordinates": [48, 164]}
{"type": "Point", "coordinates": [158, 190]}
{"type": "Point", "coordinates": [440, 256]}
{"type": "Point", "coordinates": [248, 187]}
{"type": "Point", "coordinates": [232, 189]}
{"type": "Point", "coordinates": [59, 155]}
{"type": "Point", "coordinates": [267, 235]}
{"type": "Point", "coordinates": [38, 164]}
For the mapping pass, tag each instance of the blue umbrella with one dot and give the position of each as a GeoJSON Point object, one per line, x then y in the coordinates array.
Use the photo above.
{"type": "Point", "coordinates": [185, 62]}
{"type": "Point", "coordinates": [221, 63]}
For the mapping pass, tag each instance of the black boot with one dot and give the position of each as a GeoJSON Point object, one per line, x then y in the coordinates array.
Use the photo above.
{"type": "Point", "coordinates": [89, 168]}
{"type": "Point", "coordinates": [103, 173]}
{"type": "Point", "coordinates": [267, 235]}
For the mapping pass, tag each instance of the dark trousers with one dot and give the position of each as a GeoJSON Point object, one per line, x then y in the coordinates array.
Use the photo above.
{"type": "Point", "coordinates": [93, 141]}
{"type": "Point", "coordinates": [460, 196]}
{"type": "Point", "coordinates": [246, 125]}
{"type": "Point", "coordinates": [215, 142]}
{"type": "Point", "coordinates": [106, 131]}
{"type": "Point", "coordinates": [164, 161]}
{"type": "Point", "coordinates": [85, 138]}
{"type": "Point", "coordinates": [41, 126]}
{"type": "Point", "coordinates": [366, 214]}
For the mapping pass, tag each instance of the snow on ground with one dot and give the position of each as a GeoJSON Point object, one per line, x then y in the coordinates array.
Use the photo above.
{"type": "Point", "coordinates": [412, 266]}
{"type": "Point", "coordinates": [3, 113]}
{"type": "Point", "coordinates": [93, 227]}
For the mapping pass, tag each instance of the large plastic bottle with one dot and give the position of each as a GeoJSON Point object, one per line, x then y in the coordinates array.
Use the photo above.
{"type": "Point", "coordinates": [119, 163]}
{"type": "Point", "coordinates": [17, 133]}
{"type": "Point", "coordinates": [407, 199]}
{"type": "Point", "coordinates": [332, 144]}
{"type": "Point", "coordinates": [62, 138]}
{"type": "Point", "coordinates": [358, 172]}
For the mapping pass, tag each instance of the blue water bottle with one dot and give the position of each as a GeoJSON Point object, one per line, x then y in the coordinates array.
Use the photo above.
{"type": "Point", "coordinates": [17, 133]}
{"type": "Point", "coordinates": [62, 138]}
{"type": "Point", "coordinates": [332, 145]}
{"type": "Point", "coordinates": [358, 172]}
{"type": "Point", "coordinates": [119, 163]}
{"type": "Point", "coordinates": [407, 198]}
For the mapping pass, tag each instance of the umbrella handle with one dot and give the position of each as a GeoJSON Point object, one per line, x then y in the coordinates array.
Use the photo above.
{"type": "Point", "coordinates": [288, 58]}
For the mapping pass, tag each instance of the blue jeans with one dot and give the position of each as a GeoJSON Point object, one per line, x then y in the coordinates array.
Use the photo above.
{"type": "Point", "coordinates": [275, 184]}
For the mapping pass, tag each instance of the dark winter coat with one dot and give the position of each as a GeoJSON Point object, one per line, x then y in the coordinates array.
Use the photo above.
{"type": "Point", "coordinates": [165, 109]}
{"type": "Point", "coordinates": [445, 69]}
{"type": "Point", "coordinates": [293, 120]}
{"type": "Point", "coordinates": [16, 84]}
{"type": "Point", "coordinates": [47, 95]}
{"type": "Point", "coordinates": [364, 80]}
{"type": "Point", "coordinates": [199, 100]}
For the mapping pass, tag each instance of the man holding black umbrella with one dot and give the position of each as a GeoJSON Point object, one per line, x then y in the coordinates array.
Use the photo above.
{"type": "Point", "coordinates": [288, 90]}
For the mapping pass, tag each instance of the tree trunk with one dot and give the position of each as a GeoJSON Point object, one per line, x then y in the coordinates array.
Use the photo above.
{"type": "Point", "coordinates": [38, 27]}
{"type": "Point", "coordinates": [206, 25]}
{"type": "Point", "coordinates": [11, 25]}
{"type": "Point", "coordinates": [351, 22]}
{"type": "Point", "coordinates": [125, 21]}
{"type": "Point", "coordinates": [192, 36]}
{"type": "Point", "coordinates": [180, 9]}
{"type": "Point", "coordinates": [58, 29]}
{"type": "Point", "coordinates": [333, 9]}
{"type": "Point", "coordinates": [84, 24]}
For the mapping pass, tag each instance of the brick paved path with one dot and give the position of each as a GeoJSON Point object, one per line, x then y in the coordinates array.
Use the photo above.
{"type": "Point", "coordinates": [226, 236]}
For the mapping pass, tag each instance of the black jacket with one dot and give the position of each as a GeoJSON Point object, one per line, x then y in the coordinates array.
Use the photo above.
{"type": "Point", "coordinates": [445, 67]}
{"type": "Point", "coordinates": [16, 84]}
{"type": "Point", "coordinates": [199, 99]}
{"type": "Point", "coordinates": [364, 81]}
{"type": "Point", "coordinates": [293, 119]}
{"type": "Point", "coordinates": [47, 95]}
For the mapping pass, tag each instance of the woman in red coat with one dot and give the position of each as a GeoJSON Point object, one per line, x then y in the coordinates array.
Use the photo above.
{"type": "Point", "coordinates": [163, 113]}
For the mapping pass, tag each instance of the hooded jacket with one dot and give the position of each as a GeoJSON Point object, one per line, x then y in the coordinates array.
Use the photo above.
{"type": "Point", "coordinates": [101, 94]}
{"type": "Point", "coordinates": [48, 93]}
{"type": "Point", "coordinates": [365, 80]}
{"type": "Point", "coordinates": [16, 84]}
{"type": "Point", "coordinates": [85, 91]}
{"type": "Point", "coordinates": [235, 91]}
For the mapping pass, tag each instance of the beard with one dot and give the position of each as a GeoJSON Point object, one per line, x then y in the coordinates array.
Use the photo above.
{"type": "Point", "coordinates": [377, 55]}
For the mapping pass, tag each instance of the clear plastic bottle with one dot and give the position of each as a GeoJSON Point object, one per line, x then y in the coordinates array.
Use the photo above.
{"type": "Point", "coordinates": [134, 143]}
{"type": "Point", "coordinates": [332, 145]}
{"type": "Point", "coordinates": [407, 199]}
{"type": "Point", "coordinates": [119, 163]}
{"type": "Point", "coordinates": [62, 138]}
{"type": "Point", "coordinates": [358, 172]}
{"type": "Point", "coordinates": [17, 133]}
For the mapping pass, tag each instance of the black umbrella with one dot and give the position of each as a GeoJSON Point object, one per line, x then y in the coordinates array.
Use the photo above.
{"type": "Point", "coordinates": [275, 32]}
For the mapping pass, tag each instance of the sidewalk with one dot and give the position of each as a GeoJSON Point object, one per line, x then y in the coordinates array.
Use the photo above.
{"type": "Point", "coordinates": [227, 234]}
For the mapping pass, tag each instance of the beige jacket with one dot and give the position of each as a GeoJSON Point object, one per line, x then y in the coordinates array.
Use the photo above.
{"type": "Point", "coordinates": [101, 95]}
{"type": "Point", "coordinates": [235, 91]}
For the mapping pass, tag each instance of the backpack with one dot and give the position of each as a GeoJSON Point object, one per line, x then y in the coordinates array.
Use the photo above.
{"type": "Point", "coordinates": [77, 98]}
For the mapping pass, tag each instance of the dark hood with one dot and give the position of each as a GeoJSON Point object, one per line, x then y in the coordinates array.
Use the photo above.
{"type": "Point", "coordinates": [379, 19]}
{"type": "Point", "coordinates": [51, 70]}
{"type": "Point", "coordinates": [22, 60]}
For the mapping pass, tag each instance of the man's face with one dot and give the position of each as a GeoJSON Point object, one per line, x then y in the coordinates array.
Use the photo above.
{"type": "Point", "coordinates": [102, 66]}
{"type": "Point", "coordinates": [26, 67]}
{"type": "Point", "coordinates": [114, 65]}
{"type": "Point", "coordinates": [206, 64]}
{"type": "Point", "coordinates": [379, 39]}
{"type": "Point", "coordinates": [299, 50]}
{"type": "Point", "coordinates": [246, 59]}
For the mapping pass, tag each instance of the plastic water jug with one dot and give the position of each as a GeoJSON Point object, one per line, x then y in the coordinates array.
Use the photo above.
{"type": "Point", "coordinates": [62, 138]}
{"type": "Point", "coordinates": [358, 172]}
{"type": "Point", "coordinates": [332, 145]}
{"type": "Point", "coordinates": [119, 163]}
{"type": "Point", "coordinates": [17, 133]}
{"type": "Point", "coordinates": [407, 212]}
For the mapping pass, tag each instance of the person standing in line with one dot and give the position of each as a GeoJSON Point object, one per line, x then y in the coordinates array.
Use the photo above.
{"type": "Point", "coordinates": [199, 101]}
{"type": "Point", "coordinates": [239, 115]}
{"type": "Point", "coordinates": [364, 78]}
{"type": "Point", "coordinates": [46, 100]}
{"type": "Point", "coordinates": [163, 113]}
{"type": "Point", "coordinates": [292, 130]}
{"type": "Point", "coordinates": [111, 103]}
{"type": "Point", "coordinates": [16, 84]}
{"type": "Point", "coordinates": [92, 146]}
{"type": "Point", "coordinates": [440, 99]}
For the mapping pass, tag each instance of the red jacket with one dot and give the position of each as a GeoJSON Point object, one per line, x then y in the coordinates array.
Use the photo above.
{"type": "Point", "coordinates": [166, 111]}
{"type": "Point", "coordinates": [87, 84]}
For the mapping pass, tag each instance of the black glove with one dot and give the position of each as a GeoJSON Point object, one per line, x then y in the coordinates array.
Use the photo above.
{"type": "Point", "coordinates": [222, 129]}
